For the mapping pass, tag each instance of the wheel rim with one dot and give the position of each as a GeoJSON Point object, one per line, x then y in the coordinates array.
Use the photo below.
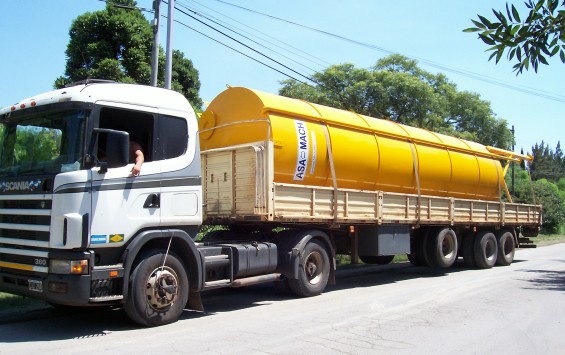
{"type": "Point", "coordinates": [508, 247]}
{"type": "Point", "coordinates": [313, 267]}
{"type": "Point", "coordinates": [162, 288]}
{"type": "Point", "coordinates": [447, 247]}
{"type": "Point", "coordinates": [490, 249]}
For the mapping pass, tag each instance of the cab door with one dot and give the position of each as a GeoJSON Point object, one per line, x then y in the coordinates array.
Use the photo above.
{"type": "Point", "coordinates": [123, 204]}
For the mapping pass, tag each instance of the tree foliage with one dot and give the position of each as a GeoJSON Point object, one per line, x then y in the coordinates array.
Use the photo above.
{"type": "Point", "coordinates": [115, 44]}
{"type": "Point", "coordinates": [398, 89]}
{"type": "Point", "coordinates": [543, 183]}
{"type": "Point", "coordinates": [541, 192]}
{"type": "Point", "coordinates": [548, 163]}
{"type": "Point", "coordinates": [527, 40]}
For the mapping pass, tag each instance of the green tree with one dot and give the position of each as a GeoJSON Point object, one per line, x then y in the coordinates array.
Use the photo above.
{"type": "Point", "coordinates": [115, 44]}
{"type": "Point", "coordinates": [548, 163]}
{"type": "Point", "coordinates": [527, 40]}
{"type": "Point", "coordinates": [542, 192]}
{"type": "Point", "coordinates": [398, 89]}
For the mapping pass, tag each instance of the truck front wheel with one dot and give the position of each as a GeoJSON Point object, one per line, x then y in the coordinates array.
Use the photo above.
{"type": "Point", "coordinates": [313, 273]}
{"type": "Point", "coordinates": [158, 291]}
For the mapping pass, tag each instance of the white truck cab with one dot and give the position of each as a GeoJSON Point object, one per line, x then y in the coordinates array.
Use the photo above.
{"type": "Point", "coordinates": [69, 204]}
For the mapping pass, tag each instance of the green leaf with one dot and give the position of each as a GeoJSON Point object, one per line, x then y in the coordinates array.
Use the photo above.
{"type": "Point", "coordinates": [487, 40]}
{"type": "Point", "coordinates": [472, 29]}
{"type": "Point", "coordinates": [479, 25]}
{"type": "Point", "coordinates": [562, 56]}
{"type": "Point", "coordinates": [492, 55]}
{"type": "Point", "coordinates": [512, 53]}
{"type": "Point", "coordinates": [500, 51]}
{"type": "Point", "coordinates": [515, 14]}
{"type": "Point", "coordinates": [542, 59]}
{"type": "Point", "coordinates": [485, 21]}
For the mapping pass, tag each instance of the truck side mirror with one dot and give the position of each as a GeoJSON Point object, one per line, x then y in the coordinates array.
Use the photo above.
{"type": "Point", "coordinates": [117, 148]}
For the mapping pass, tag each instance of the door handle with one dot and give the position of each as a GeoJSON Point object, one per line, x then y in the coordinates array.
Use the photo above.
{"type": "Point", "coordinates": [152, 201]}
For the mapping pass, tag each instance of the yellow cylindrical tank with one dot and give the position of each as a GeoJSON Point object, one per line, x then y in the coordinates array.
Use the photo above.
{"type": "Point", "coordinates": [368, 153]}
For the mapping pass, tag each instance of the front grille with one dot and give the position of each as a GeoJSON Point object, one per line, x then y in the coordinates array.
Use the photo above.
{"type": "Point", "coordinates": [24, 233]}
{"type": "Point", "coordinates": [39, 204]}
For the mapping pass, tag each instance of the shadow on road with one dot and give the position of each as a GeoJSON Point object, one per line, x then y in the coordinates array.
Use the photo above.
{"type": "Point", "coordinates": [48, 323]}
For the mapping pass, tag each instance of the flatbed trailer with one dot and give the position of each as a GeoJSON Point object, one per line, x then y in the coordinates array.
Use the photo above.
{"type": "Point", "coordinates": [239, 187]}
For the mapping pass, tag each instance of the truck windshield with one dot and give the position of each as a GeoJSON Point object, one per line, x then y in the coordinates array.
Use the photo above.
{"type": "Point", "coordinates": [47, 142]}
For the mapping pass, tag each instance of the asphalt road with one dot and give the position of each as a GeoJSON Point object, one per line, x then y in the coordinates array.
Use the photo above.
{"type": "Point", "coordinates": [396, 309]}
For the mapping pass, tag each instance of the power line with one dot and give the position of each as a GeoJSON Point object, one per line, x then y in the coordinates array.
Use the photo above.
{"type": "Point", "coordinates": [246, 37]}
{"type": "Point", "coordinates": [126, 7]}
{"type": "Point", "coordinates": [295, 50]}
{"type": "Point", "coordinates": [238, 51]}
{"type": "Point", "coordinates": [469, 74]}
{"type": "Point", "coordinates": [339, 95]}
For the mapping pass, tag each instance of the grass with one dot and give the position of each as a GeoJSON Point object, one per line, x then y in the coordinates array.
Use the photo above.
{"type": "Point", "coordinates": [13, 307]}
{"type": "Point", "coordinates": [548, 239]}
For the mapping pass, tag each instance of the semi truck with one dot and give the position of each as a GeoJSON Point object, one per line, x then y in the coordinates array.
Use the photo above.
{"type": "Point", "coordinates": [282, 185]}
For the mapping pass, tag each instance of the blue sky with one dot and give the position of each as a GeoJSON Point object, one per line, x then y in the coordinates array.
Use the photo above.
{"type": "Point", "coordinates": [34, 34]}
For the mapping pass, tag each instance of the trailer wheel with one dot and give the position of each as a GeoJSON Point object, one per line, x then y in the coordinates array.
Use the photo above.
{"type": "Point", "coordinates": [506, 248]}
{"type": "Point", "coordinates": [422, 245]}
{"type": "Point", "coordinates": [413, 259]}
{"type": "Point", "coordinates": [442, 247]}
{"type": "Point", "coordinates": [468, 250]}
{"type": "Point", "coordinates": [314, 271]}
{"type": "Point", "coordinates": [379, 260]}
{"type": "Point", "coordinates": [485, 250]}
{"type": "Point", "coordinates": [157, 294]}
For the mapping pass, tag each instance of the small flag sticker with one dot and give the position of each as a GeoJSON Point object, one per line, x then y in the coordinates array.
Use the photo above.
{"type": "Point", "coordinates": [97, 239]}
{"type": "Point", "coordinates": [116, 238]}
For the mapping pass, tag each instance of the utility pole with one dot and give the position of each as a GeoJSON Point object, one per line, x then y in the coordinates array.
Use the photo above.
{"type": "Point", "coordinates": [513, 163]}
{"type": "Point", "coordinates": [169, 55]}
{"type": "Point", "coordinates": [155, 50]}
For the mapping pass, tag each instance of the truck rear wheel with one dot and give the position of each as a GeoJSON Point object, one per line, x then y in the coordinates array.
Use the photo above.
{"type": "Point", "coordinates": [157, 293]}
{"type": "Point", "coordinates": [313, 272]}
{"type": "Point", "coordinates": [485, 250]}
{"type": "Point", "coordinates": [442, 247]}
{"type": "Point", "coordinates": [423, 239]}
{"type": "Point", "coordinates": [506, 248]}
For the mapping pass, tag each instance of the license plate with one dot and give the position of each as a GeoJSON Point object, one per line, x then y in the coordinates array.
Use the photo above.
{"type": "Point", "coordinates": [35, 285]}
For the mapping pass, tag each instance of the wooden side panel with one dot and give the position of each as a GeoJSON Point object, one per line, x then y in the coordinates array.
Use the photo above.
{"type": "Point", "coordinates": [244, 181]}
{"type": "Point", "coordinates": [295, 203]}
{"type": "Point", "coordinates": [238, 186]}
{"type": "Point", "coordinates": [218, 186]}
{"type": "Point", "coordinates": [234, 182]}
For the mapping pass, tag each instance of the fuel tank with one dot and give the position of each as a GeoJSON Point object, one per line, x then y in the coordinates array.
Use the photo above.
{"type": "Point", "coordinates": [323, 146]}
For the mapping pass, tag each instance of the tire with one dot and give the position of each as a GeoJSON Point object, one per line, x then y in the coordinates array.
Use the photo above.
{"type": "Point", "coordinates": [379, 260]}
{"type": "Point", "coordinates": [506, 248]}
{"type": "Point", "coordinates": [313, 272]}
{"type": "Point", "coordinates": [485, 250]}
{"type": "Point", "coordinates": [468, 250]}
{"type": "Point", "coordinates": [413, 259]}
{"type": "Point", "coordinates": [148, 303]}
{"type": "Point", "coordinates": [422, 246]}
{"type": "Point", "coordinates": [442, 247]}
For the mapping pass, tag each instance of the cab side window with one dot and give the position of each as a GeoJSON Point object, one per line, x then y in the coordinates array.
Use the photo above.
{"type": "Point", "coordinates": [173, 137]}
{"type": "Point", "coordinates": [139, 125]}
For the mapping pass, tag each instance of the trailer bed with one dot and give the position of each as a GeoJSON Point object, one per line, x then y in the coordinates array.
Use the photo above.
{"type": "Point", "coordinates": [239, 186]}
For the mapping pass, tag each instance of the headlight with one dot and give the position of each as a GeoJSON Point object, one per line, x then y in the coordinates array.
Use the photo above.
{"type": "Point", "coordinates": [68, 267]}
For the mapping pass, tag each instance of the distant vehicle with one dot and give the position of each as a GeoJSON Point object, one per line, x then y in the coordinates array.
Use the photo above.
{"type": "Point", "coordinates": [291, 183]}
